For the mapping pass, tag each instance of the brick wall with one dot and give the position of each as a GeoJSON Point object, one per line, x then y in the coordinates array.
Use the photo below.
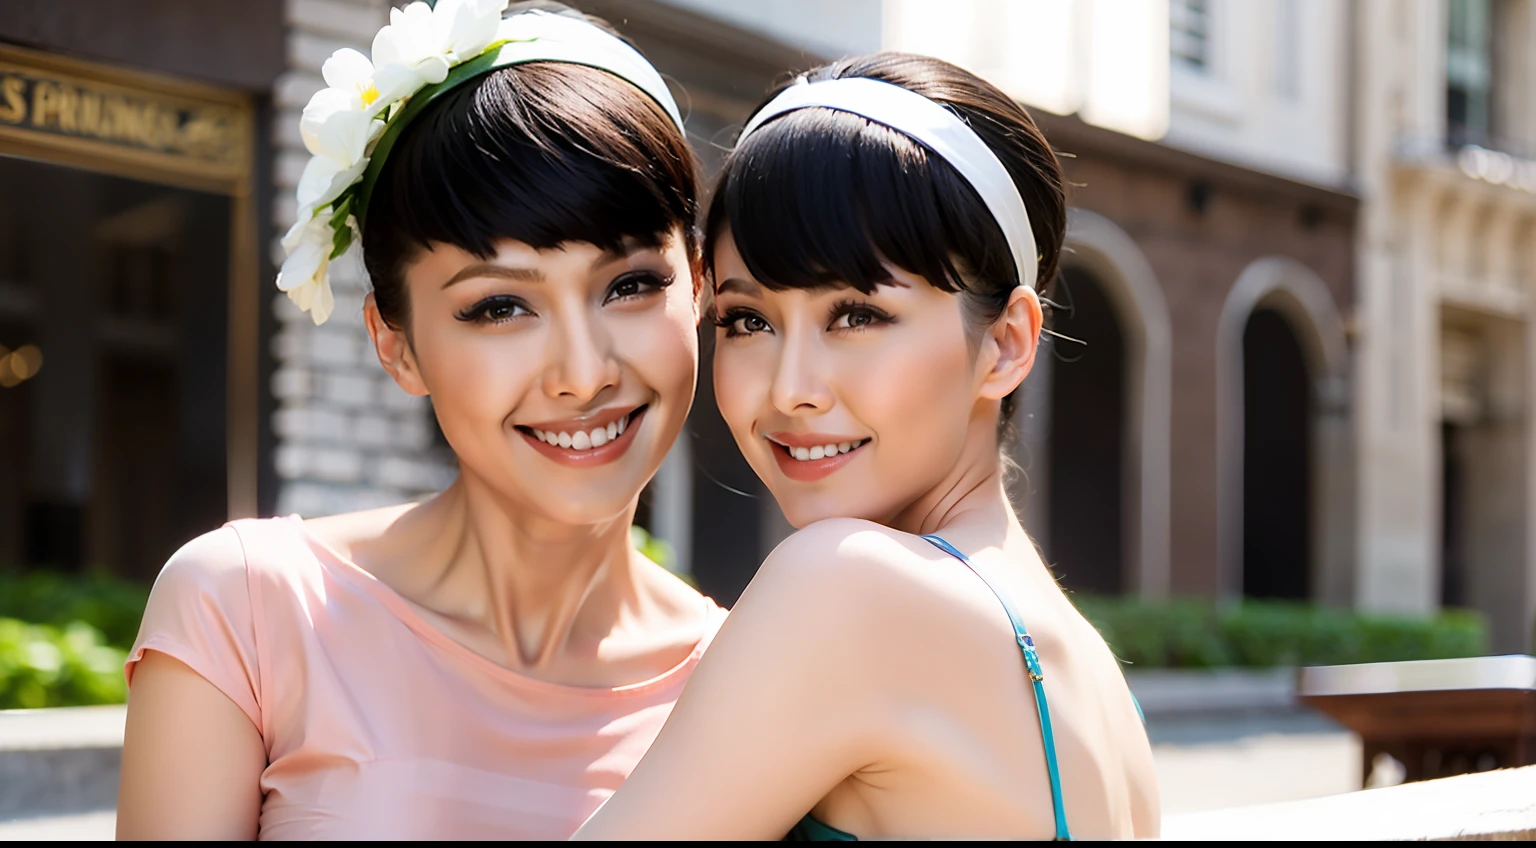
{"type": "Point", "coordinates": [347, 437]}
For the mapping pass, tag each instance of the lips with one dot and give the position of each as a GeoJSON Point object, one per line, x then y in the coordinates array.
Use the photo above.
{"type": "Point", "coordinates": [808, 457]}
{"type": "Point", "coordinates": [584, 443]}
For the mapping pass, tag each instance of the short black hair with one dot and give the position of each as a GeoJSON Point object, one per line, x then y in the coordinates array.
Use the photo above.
{"type": "Point", "coordinates": [819, 197]}
{"type": "Point", "coordinates": [543, 153]}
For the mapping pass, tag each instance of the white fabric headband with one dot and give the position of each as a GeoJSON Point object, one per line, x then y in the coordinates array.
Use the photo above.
{"type": "Point", "coordinates": [536, 36]}
{"type": "Point", "coordinates": [934, 127]}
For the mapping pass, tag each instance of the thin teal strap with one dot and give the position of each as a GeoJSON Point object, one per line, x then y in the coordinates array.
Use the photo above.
{"type": "Point", "coordinates": [1036, 679]}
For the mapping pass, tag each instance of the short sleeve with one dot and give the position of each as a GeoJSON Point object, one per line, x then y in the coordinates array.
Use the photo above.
{"type": "Point", "coordinates": [200, 613]}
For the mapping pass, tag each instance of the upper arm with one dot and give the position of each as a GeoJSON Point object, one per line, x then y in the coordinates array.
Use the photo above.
{"type": "Point", "coordinates": [193, 752]}
{"type": "Point", "coordinates": [782, 707]}
{"type": "Point", "coordinates": [192, 760]}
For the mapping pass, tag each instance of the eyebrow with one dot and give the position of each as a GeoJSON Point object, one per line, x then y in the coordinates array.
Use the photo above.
{"type": "Point", "coordinates": [739, 286]}
{"type": "Point", "coordinates": [490, 269]}
{"type": "Point", "coordinates": [527, 275]}
{"type": "Point", "coordinates": [749, 288]}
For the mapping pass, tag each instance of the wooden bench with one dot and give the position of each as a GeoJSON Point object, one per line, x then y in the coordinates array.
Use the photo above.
{"type": "Point", "coordinates": [1438, 718]}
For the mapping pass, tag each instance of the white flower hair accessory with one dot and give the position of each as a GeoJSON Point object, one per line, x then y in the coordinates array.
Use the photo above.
{"type": "Point", "coordinates": [350, 126]}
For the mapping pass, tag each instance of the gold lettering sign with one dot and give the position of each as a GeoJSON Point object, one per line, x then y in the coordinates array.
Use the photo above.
{"type": "Point", "coordinates": [128, 119]}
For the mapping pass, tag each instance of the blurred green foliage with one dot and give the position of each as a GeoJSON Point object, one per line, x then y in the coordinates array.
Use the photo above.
{"type": "Point", "coordinates": [1261, 634]}
{"type": "Point", "coordinates": [64, 637]}
{"type": "Point", "coordinates": [109, 604]}
{"type": "Point", "coordinates": [46, 666]}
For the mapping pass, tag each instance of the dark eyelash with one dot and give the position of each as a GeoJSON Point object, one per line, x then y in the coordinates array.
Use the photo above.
{"type": "Point", "coordinates": [477, 311]}
{"type": "Point", "coordinates": [850, 307]}
{"type": "Point", "coordinates": [651, 278]}
{"type": "Point", "coordinates": [729, 316]}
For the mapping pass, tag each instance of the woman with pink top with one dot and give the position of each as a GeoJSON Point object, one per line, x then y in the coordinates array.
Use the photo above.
{"type": "Point", "coordinates": [492, 662]}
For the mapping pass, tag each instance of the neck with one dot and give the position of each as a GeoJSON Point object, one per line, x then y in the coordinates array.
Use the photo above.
{"type": "Point", "coordinates": [545, 588]}
{"type": "Point", "coordinates": [971, 497]}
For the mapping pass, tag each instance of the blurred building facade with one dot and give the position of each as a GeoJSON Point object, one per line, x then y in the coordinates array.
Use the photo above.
{"type": "Point", "coordinates": [1301, 244]}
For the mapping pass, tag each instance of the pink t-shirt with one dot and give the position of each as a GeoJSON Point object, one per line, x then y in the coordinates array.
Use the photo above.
{"type": "Point", "coordinates": [376, 724]}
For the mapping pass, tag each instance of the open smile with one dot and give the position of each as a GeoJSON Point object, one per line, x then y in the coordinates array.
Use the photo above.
{"type": "Point", "coordinates": [811, 457]}
{"type": "Point", "coordinates": [584, 443]}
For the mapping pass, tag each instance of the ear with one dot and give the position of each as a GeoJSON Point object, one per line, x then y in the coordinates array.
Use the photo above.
{"type": "Point", "coordinates": [394, 350]}
{"type": "Point", "coordinates": [1014, 338]}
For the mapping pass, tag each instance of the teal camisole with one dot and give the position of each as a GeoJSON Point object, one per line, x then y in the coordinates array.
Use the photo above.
{"type": "Point", "coordinates": [811, 830]}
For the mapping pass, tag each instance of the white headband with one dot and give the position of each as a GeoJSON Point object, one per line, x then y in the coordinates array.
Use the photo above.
{"type": "Point", "coordinates": [933, 126]}
{"type": "Point", "coordinates": [536, 36]}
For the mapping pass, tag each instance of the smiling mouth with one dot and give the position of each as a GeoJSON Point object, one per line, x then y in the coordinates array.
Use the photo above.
{"type": "Point", "coordinates": [820, 451]}
{"type": "Point", "coordinates": [584, 440]}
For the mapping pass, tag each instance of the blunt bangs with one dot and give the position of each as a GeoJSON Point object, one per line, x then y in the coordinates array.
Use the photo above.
{"type": "Point", "coordinates": [820, 198]}
{"type": "Point", "coordinates": [543, 153]}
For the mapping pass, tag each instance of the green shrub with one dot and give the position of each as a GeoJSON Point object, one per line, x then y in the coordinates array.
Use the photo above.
{"type": "Point", "coordinates": [46, 666]}
{"type": "Point", "coordinates": [109, 604]}
{"type": "Point", "coordinates": [1261, 634]}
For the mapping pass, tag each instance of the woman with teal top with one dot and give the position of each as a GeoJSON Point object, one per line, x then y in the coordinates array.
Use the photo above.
{"type": "Point", "coordinates": [877, 242]}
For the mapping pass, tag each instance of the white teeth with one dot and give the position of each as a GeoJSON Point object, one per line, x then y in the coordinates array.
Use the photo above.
{"type": "Point", "coordinates": [583, 439]}
{"type": "Point", "coordinates": [823, 451]}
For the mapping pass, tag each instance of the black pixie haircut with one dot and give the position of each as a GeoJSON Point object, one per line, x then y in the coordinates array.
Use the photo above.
{"type": "Point", "coordinates": [818, 197]}
{"type": "Point", "coordinates": [543, 153]}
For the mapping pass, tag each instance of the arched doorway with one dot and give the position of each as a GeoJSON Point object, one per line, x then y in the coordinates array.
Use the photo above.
{"type": "Point", "coordinates": [1277, 451]}
{"type": "Point", "coordinates": [1086, 544]}
{"type": "Point", "coordinates": [1284, 497]}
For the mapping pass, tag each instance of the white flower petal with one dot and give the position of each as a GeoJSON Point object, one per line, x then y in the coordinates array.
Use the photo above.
{"type": "Point", "coordinates": [295, 235]}
{"type": "Point", "coordinates": [324, 179]}
{"type": "Point", "coordinates": [467, 26]}
{"type": "Point", "coordinates": [394, 82]}
{"type": "Point", "coordinates": [321, 110]}
{"type": "Point", "coordinates": [433, 69]}
{"type": "Point", "coordinates": [324, 302]}
{"type": "Point", "coordinates": [302, 265]}
{"type": "Point", "coordinates": [348, 69]}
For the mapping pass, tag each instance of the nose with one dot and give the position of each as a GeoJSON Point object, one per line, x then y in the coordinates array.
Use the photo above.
{"type": "Point", "coordinates": [582, 363]}
{"type": "Point", "coordinates": [799, 386]}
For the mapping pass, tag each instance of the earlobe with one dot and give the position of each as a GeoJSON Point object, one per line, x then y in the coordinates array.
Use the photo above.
{"type": "Point", "coordinates": [393, 349]}
{"type": "Point", "coordinates": [1016, 335]}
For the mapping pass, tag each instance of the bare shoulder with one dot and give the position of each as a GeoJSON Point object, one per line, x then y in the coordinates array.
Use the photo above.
{"type": "Point", "coordinates": [861, 583]}
{"type": "Point", "coordinates": [851, 555]}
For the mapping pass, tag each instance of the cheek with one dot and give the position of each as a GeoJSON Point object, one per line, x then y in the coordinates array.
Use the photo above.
{"type": "Point", "coordinates": [912, 390]}
{"type": "Point", "coordinates": [661, 345]}
{"type": "Point", "coordinates": [474, 379]}
{"type": "Point", "coordinates": [743, 371]}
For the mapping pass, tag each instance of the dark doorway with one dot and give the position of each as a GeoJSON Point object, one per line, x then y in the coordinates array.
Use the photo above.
{"type": "Point", "coordinates": [1277, 457]}
{"type": "Point", "coordinates": [1453, 517]}
{"type": "Point", "coordinates": [1087, 441]}
{"type": "Point", "coordinates": [118, 290]}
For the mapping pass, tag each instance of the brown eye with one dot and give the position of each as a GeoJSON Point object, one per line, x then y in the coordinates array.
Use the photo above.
{"type": "Point", "coordinates": [748, 324]}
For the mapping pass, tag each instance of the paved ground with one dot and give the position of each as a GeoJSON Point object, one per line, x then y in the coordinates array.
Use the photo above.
{"type": "Point", "coordinates": [1202, 764]}
{"type": "Point", "coordinates": [1213, 764]}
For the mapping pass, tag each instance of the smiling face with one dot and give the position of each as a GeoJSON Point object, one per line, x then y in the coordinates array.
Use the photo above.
{"type": "Point", "coordinates": [561, 376]}
{"type": "Point", "coordinates": [890, 382]}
